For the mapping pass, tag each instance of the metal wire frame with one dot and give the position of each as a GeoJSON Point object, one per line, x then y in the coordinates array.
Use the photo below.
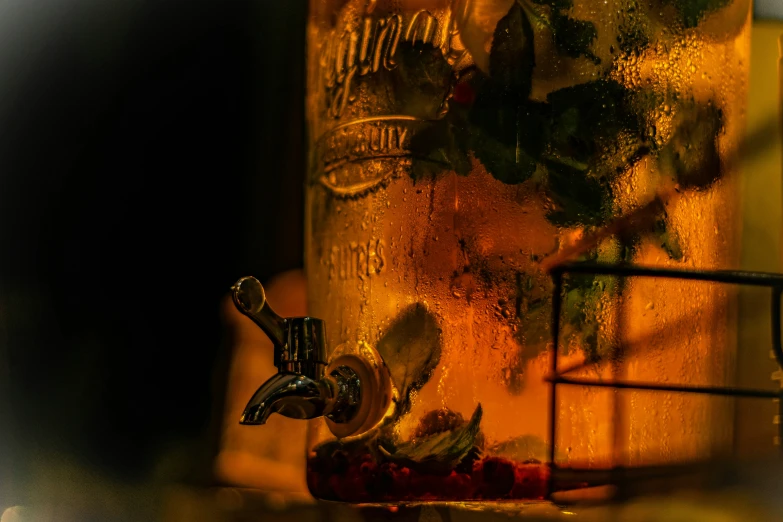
{"type": "Point", "coordinates": [770, 280]}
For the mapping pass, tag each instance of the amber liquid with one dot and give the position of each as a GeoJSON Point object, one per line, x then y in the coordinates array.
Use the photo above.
{"type": "Point", "coordinates": [453, 258]}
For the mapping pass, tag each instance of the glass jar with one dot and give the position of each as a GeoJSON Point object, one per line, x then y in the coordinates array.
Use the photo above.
{"type": "Point", "coordinates": [454, 145]}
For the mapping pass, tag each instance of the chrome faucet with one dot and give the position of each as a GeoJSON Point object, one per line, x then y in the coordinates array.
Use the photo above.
{"type": "Point", "coordinates": [301, 389]}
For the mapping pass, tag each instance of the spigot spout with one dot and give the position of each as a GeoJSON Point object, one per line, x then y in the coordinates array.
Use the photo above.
{"type": "Point", "coordinates": [335, 396]}
{"type": "Point", "coordinates": [290, 395]}
{"type": "Point", "coordinates": [301, 389]}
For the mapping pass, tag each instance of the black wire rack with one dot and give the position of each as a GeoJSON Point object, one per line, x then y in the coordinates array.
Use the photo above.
{"type": "Point", "coordinates": [617, 475]}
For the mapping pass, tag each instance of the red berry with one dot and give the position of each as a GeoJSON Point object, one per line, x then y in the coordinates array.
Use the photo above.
{"type": "Point", "coordinates": [336, 487]}
{"type": "Point", "coordinates": [458, 486]}
{"type": "Point", "coordinates": [464, 93]}
{"type": "Point", "coordinates": [402, 481]}
{"type": "Point", "coordinates": [419, 485]}
{"type": "Point", "coordinates": [497, 477]}
{"type": "Point", "coordinates": [530, 481]}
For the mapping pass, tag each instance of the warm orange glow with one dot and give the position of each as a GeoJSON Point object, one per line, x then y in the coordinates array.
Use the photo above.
{"type": "Point", "coordinates": [467, 244]}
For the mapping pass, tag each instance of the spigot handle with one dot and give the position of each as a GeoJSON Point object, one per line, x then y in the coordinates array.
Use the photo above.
{"type": "Point", "coordinates": [353, 391]}
{"type": "Point", "coordinates": [300, 342]}
{"type": "Point", "coordinates": [250, 299]}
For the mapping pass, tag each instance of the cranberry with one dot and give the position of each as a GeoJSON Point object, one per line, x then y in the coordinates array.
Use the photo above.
{"type": "Point", "coordinates": [530, 481]}
{"type": "Point", "coordinates": [381, 483]}
{"type": "Point", "coordinates": [361, 479]}
{"type": "Point", "coordinates": [420, 485]}
{"type": "Point", "coordinates": [464, 93]}
{"type": "Point", "coordinates": [366, 457]}
{"type": "Point", "coordinates": [367, 468]}
{"type": "Point", "coordinates": [458, 486]}
{"type": "Point", "coordinates": [340, 462]}
{"type": "Point", "coordinates": [336, 488]}
{"type": "Point", "coordinates": [496, 477]}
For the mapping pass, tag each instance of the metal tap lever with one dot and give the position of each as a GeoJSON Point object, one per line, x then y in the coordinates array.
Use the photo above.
{"type": "Point", "coordinates": [250, 299]}
{"type": "Point", "coordinates": [300, 342]}
{"type": "Point", "coordinates": [301, 389]}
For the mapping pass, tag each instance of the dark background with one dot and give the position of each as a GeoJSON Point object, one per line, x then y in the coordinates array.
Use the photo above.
{"type": "Point", "coordinates": [151, 154]}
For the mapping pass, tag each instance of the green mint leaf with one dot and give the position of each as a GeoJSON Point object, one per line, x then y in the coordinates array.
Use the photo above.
{"type": "Point", "coordinates": [419, 81]}
{"type": "Point", "coordinates": [439, 147]}
{"type": "Point", "coordinates": [574, 38]}
{"type": "Point", "coordinates": [579, 198]}
{"type": "Point", "coordinates": [632, 38]}
{"type": "Point", "coordinates": [507, 133]}
{"type": "Point", "coordinates": [511, 58]}
{"type": "Point", "coordinates": [667, 239]}
{"type": "Point", "coordinates": [411, 349]}
{"type": "Point", "coordinates": [532, 300]}
{"type": "Point", "coordinates": [581, 305]}
{"type": "Point", "coordinates": [510, 165]}
{"type": "Point", "coordinates": [691, 155]}
{"type": "Point", "coordinates": [495, 115]}
{"type": "Point", "coordinates": [595, 132]}
{"type": "Point", "coordinates": [560, 5]}
{"type": "Point", "coordinates": [587, 114]}
{"type": "Point", "coordinates": [692, 12]}
{"type": "Point", "coordinates": [629, 245]}
{"type": "Point", "coordinates": [532, 334]}
{"type": "Point", "coordinates": [441, 451]}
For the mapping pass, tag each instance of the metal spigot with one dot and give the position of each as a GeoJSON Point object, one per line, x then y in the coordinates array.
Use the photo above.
{"type": "Point", "coordinates": [301, 389]}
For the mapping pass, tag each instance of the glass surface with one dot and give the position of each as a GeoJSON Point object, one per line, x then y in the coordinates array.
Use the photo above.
{"type": "Point", "coordinates": [454, 146]}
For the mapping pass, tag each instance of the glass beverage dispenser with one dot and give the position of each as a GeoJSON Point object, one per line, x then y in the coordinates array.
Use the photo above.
{"type": "Point", "coordinates": [455, 145]}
